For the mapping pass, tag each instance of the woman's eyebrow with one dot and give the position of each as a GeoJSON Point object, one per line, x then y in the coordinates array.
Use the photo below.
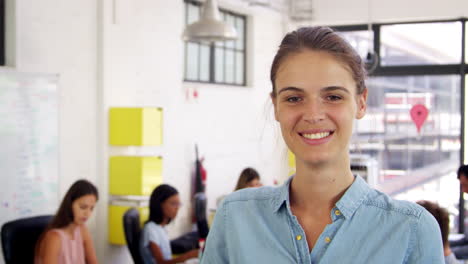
{"type": "Point", "coordinates": [290, 88]}
{"type": "Point", "coordinates": [334, 88]}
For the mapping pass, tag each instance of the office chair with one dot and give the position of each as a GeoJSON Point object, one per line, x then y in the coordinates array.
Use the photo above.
{"type": "Point", "coordinates": [19, 238]}
{"type": "Point", "coordinates": [189, 241]}
{"type": "Point", "coordinates": [200, 215]}
{"type": "Point", "coordinates": [132, 230]}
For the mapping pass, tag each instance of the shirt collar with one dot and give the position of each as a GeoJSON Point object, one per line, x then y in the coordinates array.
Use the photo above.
{"type": "Point", "coordinates": [282, 196]}
{"type": "Point", "coordinates": [353, 197]}
{"type": "Point", "coordinates": [348, 204]}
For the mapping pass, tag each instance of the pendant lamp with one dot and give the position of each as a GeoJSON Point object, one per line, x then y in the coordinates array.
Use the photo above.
{"type": "Point", "coordinates": [210, 27]}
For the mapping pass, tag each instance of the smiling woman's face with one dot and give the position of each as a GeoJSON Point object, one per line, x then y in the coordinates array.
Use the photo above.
{"type": "Point", "coordinates": [316, 102]}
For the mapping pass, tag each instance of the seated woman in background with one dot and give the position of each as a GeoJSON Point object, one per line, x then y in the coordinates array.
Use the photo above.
{"type": "Point", "coordinates": [249, 177]}
{"type": "Point", "coordinates": [155, 246]}
{"type": "Point", "coordinates": [442, 217]}
{"type": "Point", "coordinates": [67, 239]}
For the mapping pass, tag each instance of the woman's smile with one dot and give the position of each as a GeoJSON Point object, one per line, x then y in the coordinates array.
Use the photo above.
{"type": "Point", "coordinates": [316, 138]}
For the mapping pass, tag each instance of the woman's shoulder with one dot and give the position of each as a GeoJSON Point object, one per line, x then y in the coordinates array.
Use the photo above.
{"type": "Point", "coordinates": [84, 231]}
{"type": "Point", "coordinates": [53, 237]}
{"type": "Point", "coordinates": [252, 194]}
{"type": "Point", "coordinates": [151, 226]}
{"type": "Point", "coordinates": [385, 202]}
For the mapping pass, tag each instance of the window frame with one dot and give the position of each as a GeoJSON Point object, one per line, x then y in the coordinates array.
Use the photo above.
{"type": "Point", "coordinates": [212, 47]}
{"type": "Point", "coordinates": [460, 69]}
{"type": "Point", "coordinates": [2, 32]}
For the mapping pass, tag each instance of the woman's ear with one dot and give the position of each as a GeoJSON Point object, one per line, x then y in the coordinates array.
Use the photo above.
{"type": "Point", "coordinates": [273, 101]}
{"type": "Point", "coordinates": [361, 104]}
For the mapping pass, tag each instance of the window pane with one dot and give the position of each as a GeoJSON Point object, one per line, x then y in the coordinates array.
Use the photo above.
{"type": "Point", "coordinates": [230, 20]}
{"type": "Point", "coordinates": [229, 66]}
{"type": "Point", "coordinates": [240, 33]}
{"type": "Point", "coordinates": [219, 43]}
{"type": "Point", "coordinates": [191, 71]}
{"type": "Point", "coordinates": [423, 43]}
{"type": "Point", "coordinates": [361, 40]}
{"type": "Point", "coordinates": [204, 63]}
{"type": "Point", "coordinates": [239, 68]}
{"type": "Point", "coordinates": [219, 65]}
{"type": "Point", "coordinates": [193, 13]}
{"type": "Point", "coordinates": [408, 160]}
{"type": "Point", "coordinates": [212, 62]}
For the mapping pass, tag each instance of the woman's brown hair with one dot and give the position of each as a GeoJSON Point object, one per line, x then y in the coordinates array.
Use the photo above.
{"type": "Point", "coordinates": [441, 215]}
{"type": "Point", "coordinates": [246, 176]}
{"type": "Point", "coordinates": [64, 215]}
{"type": "Point", "coordinates": [320, 39]}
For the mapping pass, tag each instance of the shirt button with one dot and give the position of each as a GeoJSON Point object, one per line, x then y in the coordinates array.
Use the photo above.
{"type": "Point", "coordinates": [337, 212]}
{"type": "Point", "coordinates": [327, 239]}
{"type": "Point", "coordinates": [298, 237]}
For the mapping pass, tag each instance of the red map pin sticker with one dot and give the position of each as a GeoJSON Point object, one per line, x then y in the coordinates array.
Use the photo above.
{"type": "Point", "coordinates": [419, 114]}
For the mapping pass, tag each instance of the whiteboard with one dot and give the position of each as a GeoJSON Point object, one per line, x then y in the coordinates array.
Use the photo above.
{"type": "Point", "coordinates": [28, 145]}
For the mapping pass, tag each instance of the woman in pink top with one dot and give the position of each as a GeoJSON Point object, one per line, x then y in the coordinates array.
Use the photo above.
{"type": "Point", "coordinates": [66, 239]}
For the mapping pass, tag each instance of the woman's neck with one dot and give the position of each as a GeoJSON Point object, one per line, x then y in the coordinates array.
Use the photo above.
{"type": "Point", "coordinates": [70, 229]}
{"type": "Point", "coordinates": [164, 222]}
{"type": "Point", "coordinates": [71, 226]}
{"type": "Point", "coordinates": [319, 187]}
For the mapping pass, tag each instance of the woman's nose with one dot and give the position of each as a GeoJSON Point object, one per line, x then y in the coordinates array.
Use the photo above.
{"type": "Point", "coordinates": [313, 111]}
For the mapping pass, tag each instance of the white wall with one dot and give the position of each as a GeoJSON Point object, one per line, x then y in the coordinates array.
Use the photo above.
{"type": "Point", "coordinates": [142, 65]}
{"type": "Point", "coordinates": [59, 37]}
{"type": "Point", "coordinates": [129, 53]}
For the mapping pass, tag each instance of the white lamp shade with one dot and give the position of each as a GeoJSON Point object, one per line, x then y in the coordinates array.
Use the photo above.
{"type": "Point", "coordinates": [210, 27]}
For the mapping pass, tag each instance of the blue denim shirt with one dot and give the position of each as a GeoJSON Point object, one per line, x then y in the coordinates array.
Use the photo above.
{"type": "Point", "coordinates": [256, 225]}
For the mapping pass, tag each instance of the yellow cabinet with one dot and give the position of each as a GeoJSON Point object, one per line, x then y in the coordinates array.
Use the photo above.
{"type": "Point", "coordinates": [135, 126]}
{"type": "Point", "coordinates": [132, 175]}
{"type": "Point", "coordinates": [115, 217]}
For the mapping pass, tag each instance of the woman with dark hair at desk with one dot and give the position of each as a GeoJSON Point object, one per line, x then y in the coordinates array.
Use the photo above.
{"type": "Point", "coordinates": [67, 239]}
{"type": "Point", "coordinates": [155, 246]}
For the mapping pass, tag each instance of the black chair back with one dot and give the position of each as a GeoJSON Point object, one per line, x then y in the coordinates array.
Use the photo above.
{"type": "Point", "coordinates": [132, 230]}
{"type": "Point", "coordinates": [200, 215]}
{"type": "Point", "coordinates": [19, 238]}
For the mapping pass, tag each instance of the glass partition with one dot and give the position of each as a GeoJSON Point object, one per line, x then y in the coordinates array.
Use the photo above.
{"type": "Point", "coordinates": [415, 162]}
{"type": "Point", "coordinates": [421, 43]}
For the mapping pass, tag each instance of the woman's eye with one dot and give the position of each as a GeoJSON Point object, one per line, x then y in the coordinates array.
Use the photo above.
{"type": "Point", "coordinates": [293, 99]}
{"type": "Point", "coordinates": [334, 98]}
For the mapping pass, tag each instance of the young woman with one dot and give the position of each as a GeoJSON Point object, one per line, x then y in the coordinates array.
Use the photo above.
{"type": "Point", "coordinates": [155, 246]}
{"type": "Point", "coordinates": [324, 213]}
{"type": "Point", "coordinates": [248, 178]}
{"type": "Point", "coordinates": [67, 240]}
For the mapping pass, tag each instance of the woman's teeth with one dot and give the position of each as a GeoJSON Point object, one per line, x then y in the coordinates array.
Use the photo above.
{"type": "Point", "coordinates": [316, 135]}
